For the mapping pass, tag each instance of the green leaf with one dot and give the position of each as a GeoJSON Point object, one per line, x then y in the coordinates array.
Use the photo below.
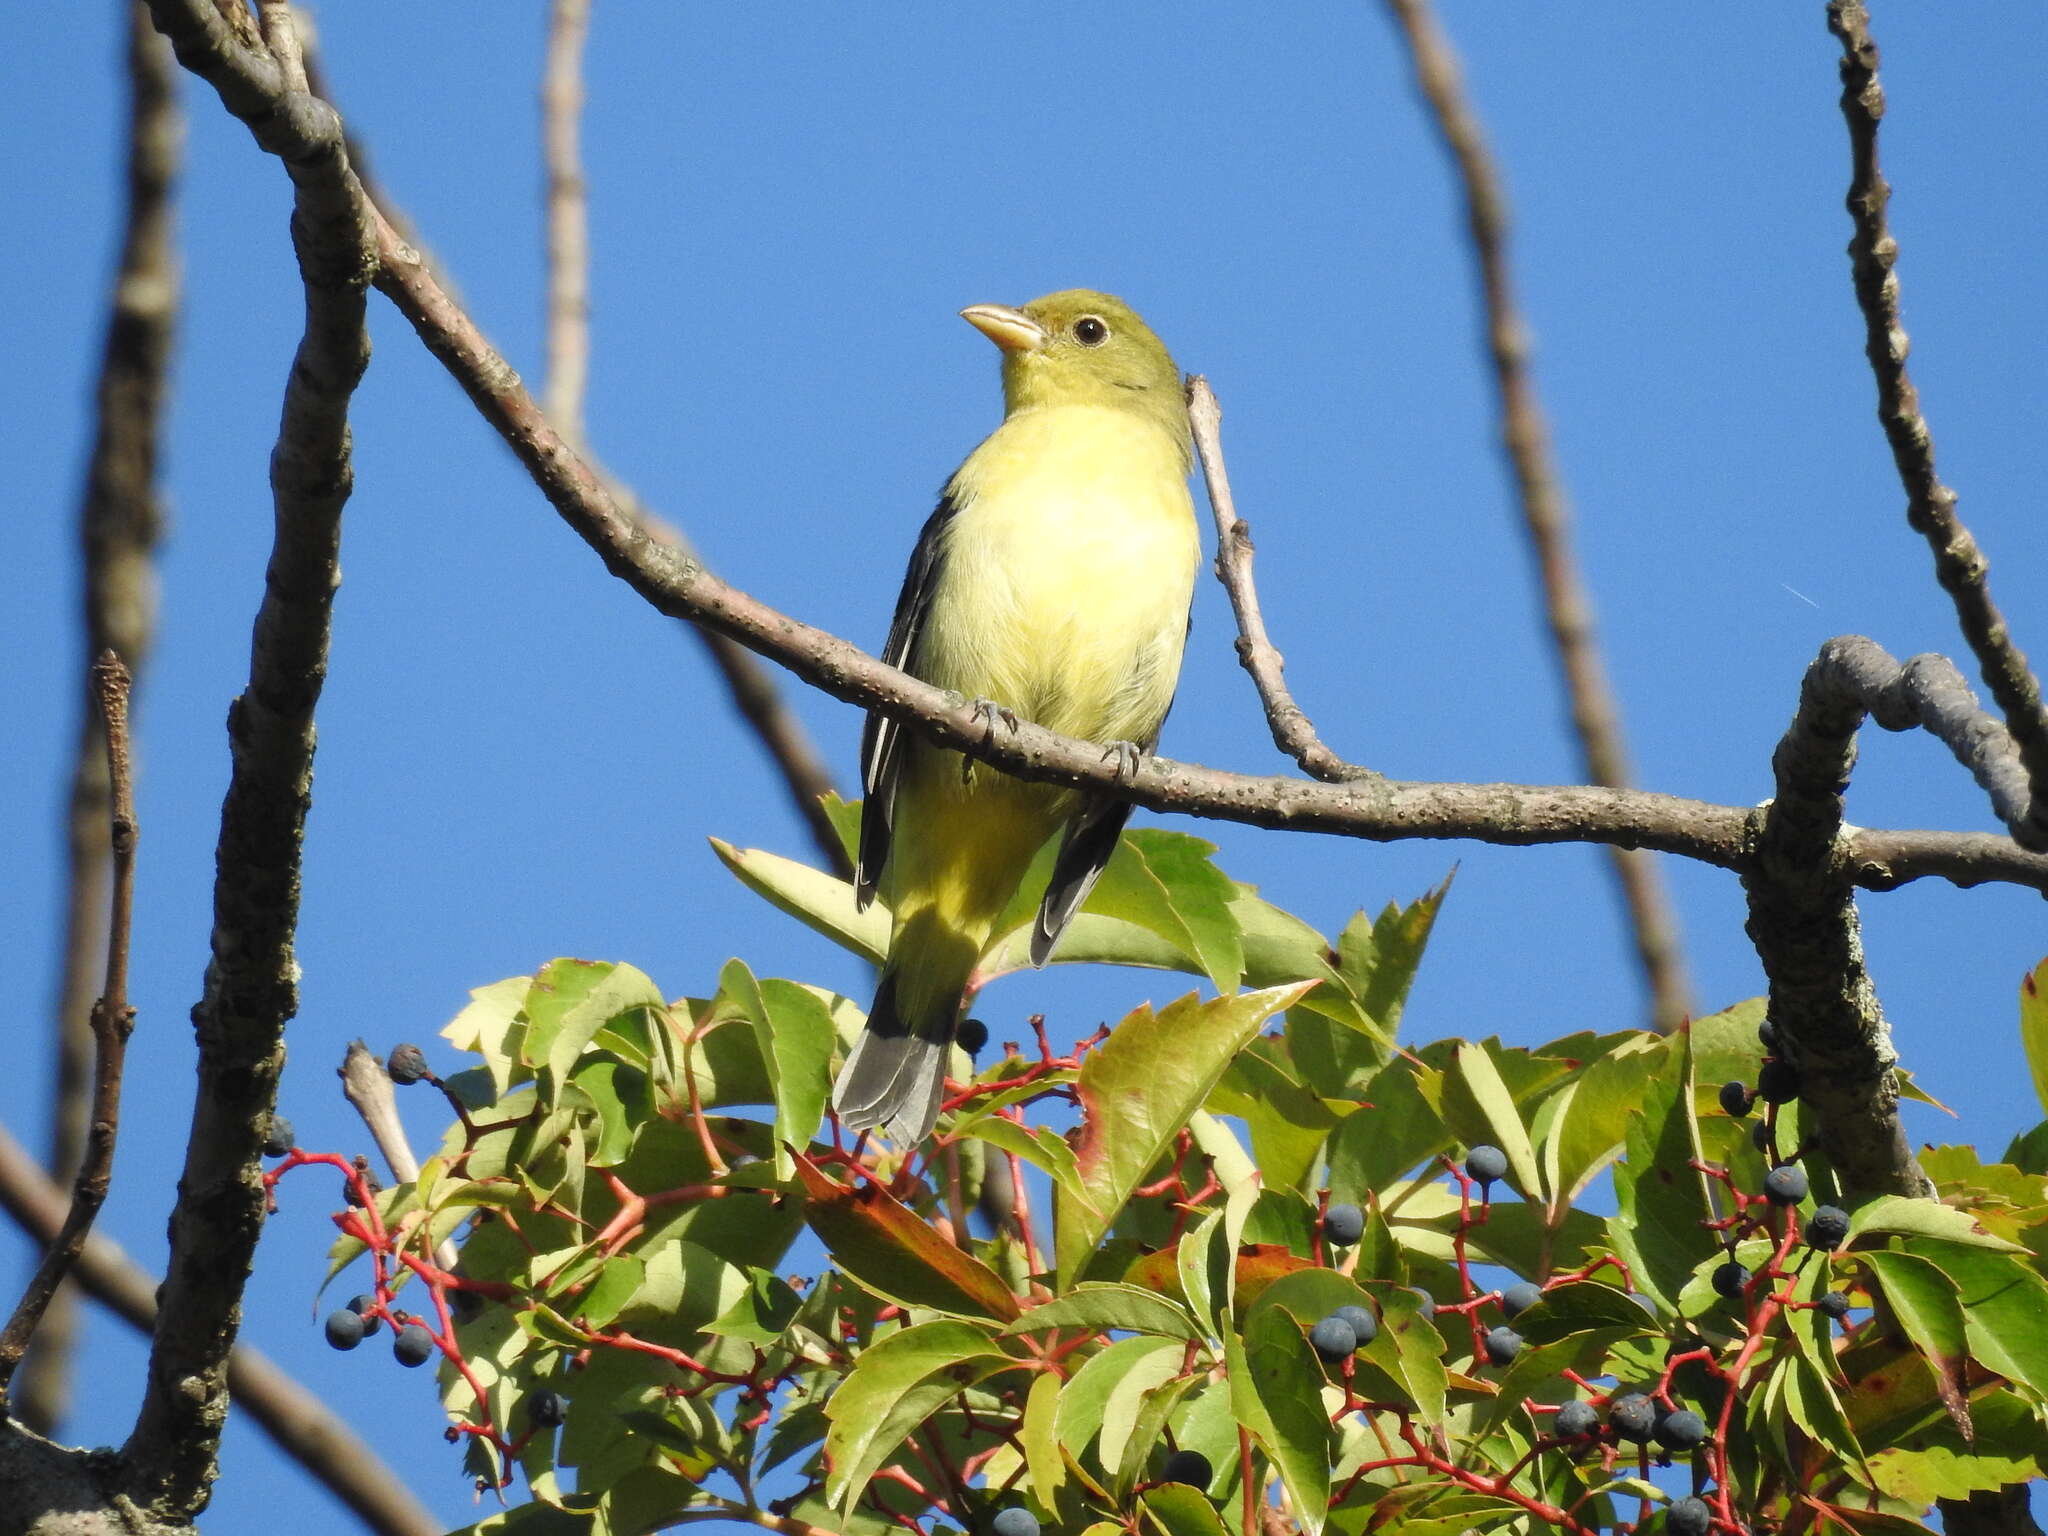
{"type": "Point", "coordinates": [570, 1000]}
{"type": "Point", "coordinates": [793, 1031]}
{"type": "Point", "coordinates": [1277, 1388]}
{"type": "Point", "coordinates": [1581, 1306]}
{"type": "Point", "coordinates": [1163, 882]}
{"type": "Point", "coordinates": [2005, 1308]}
{"type": "Point", "coordinates": [1904, 1216]}
{"type": "Point", "coordinates": [2034, 1027]}
{"type": "Point", "coordinates": [1662, 1200]}
{"type": "Point", "coordinates": [1130, 1411]}
{"type": "Point", "coordinates": [881, 1243]}
{"type": "Point", "coordinates": [821, 902]}
{"type": "Point", "coordinates": [1040, 1439]}
{"type": "Point", "coordinates": [1924, 1301]}
{"type": "Point", "coordinates": [1593, 1127]}
{"type": "Point", "coordinates": [1288, 1120]}
{"type": "Point", "coordinates": [620, 1096]}
{"type": "Point", "coordinates": [894, 1386]}
{"type": "Point", "coordinates": [492, 1026]}
{"type": "Point", "coordinates": [762, 1314]}
{"type": "Point", "coordinates": [1374, 1146]}
{"type": "Point", "coordinates": [1379, 959]}
{"type": "Point", "coordinates": [1485, 1111]}
{"type": "Point", "coordinates": [1810, 1402]}
{"type": "Point", "coordinates": [613, 1288]}
{"type": "Point", "coordinates": [1346, 1028]}
{"type": "Point", "coordinates": [1410, 1350]}
{"type": "Point", "coordinates": [1085, 1397]}
{"type": "Point", "coordinates": [1101, 1307]}
{"type": "Point", "coordinates": [1137, 1091]}
{"type": "Point", "coordinates": [1179, 1510]}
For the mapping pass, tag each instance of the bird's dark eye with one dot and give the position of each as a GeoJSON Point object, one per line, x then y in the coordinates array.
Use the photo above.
{"type": "Point", "coordinates": [1090, 332]}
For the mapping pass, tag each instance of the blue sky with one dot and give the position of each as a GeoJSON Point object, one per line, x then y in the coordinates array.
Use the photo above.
{"type": "Point", "coordinates": [518, 759]}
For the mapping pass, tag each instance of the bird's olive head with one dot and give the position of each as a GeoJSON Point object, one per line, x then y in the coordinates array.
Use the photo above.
{"type": "Point", "coordinates": [1080, 347]}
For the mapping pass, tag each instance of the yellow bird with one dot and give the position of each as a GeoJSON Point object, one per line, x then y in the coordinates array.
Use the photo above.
{"type": "Point", "coordinates": [1053, 581]}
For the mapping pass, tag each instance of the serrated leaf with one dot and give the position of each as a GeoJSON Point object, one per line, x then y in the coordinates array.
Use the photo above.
{"type": "Point", "coordinates": [762, 1313]}
{"type": "Point", "coordinates": [1277, 1389]}
{"type": "Point", "coordinates": [491, 1025]}
{"type": "Point", "coordinates": [1124, 1409]}
{"type": "Point", "coordinates": [1593, 1126]}
{"type": "Point", "coordinates": [1137, 1090]}
{"type": "Point", "coordinates": [822, 902]}
{"type": "Point", "coordinates": [895, 1385]}
{"type": "Point", "coordinates": [613, 1288]}
{"type": "Point", "coordinates": [881, 1243]}
{"type": "Point", "coordinates": [1904, 1216]}
{"type": "Point", "coordinates": [2034, 1027]}
{"type": "Point", "coordinates": [2005, 1308]}
{"type": "Point", "coordinates": [1165, 883]}
{"type": "Point", "coordinates": [570, 1000]}
{"type": "Point", "coordinates": [1078, 1416]}
{"type": "Point", "coordinates": [1039, 1438]}
{"type": "Point", "coordinates": [1410, 1350]}
{"type": "Point", "coordinates": [1924, 1301]}
{"type": "Point", "coordinates": [1662, 1200]}
{"type": "Point", "coordinates": [1178, 1510]}
{"type": "Point", "coordinates": [1485, 1110]}
{"type": "Point", "coordinates": [1374, 1146]}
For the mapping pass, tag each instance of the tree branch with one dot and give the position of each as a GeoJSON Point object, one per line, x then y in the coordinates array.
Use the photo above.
{"type": "Point", "coordinates": [567, 214]}
{"type": "Point", "coordinates": [251, 983]}
{"type": "Point", "coordinates": [367, 1087]}
{"type": "Point", "coordinates": [119, 521]}
{"type": "Point", "coordinates": [1595, 719]}
{"type": "Point", "coordinates": [1959, 564]}
{"type": "Point", "coordinates": [1293, 732]}
{"type": "Point", "coordinates": [296, 1420]}
{"type": "Point", "coordinates": [112, 1022]}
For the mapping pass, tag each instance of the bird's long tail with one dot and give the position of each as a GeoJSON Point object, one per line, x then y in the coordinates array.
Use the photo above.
{"type": "Point", "coordinates": [896, 1074]}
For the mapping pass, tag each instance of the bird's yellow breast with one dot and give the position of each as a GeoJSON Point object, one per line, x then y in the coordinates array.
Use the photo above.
{"type": "Point", "coordinates": [1067, 572]}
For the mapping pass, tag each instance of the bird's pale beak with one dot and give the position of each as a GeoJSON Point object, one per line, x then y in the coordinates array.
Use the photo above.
{"type": "Point", "coordinates": [1010, 329]}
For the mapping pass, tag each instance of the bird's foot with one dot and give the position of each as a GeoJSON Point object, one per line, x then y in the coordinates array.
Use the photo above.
{"type": "Point", "coordinates": [1127, 754]}
{"type": "Point", "coordinates": [989, 712]}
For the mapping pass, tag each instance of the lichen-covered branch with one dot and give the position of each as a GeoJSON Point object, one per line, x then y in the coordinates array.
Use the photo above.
{"type": "Point", "coordinates": [251, 983]}
{"type": "Point", "coordinates": [120, 520]}
{"type": "Point", "coordinates": [1959, 565]}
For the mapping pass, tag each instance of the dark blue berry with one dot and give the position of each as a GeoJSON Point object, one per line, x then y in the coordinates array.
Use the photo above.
{"type": "Point", "coordinates": [408, 1064]}
{"type": "Point", "coordinates": [1486, 1164]}
{"type": "Point", "coordinates": [413, 1346]}
{"type": "Point", "coordinates": [1634, 1417]}
{"type": "Point", "coordinates": [1785, 1184]}
{"type": "Point", "coordinates": [1190, 1467]}
{"type": "Point", "coordinates": [544, 1407]}
{"type": "Point", "coordinates": [1016, 1520]}
{"type": "Point", "coordinates": [279, 1137]}
{"type": "Point", "coordinates": [1575, 1419]}
{"type": "Point", "coordinates": [1520, 1297]}
{"type": "Point", "coordinates": [361, 1305]}
{"type": "Point", "coordinates": [1767, 1035]}
{"type": "Point", "coordinates": [1834, 1304]}
{"type": "Point", "coordinates": [1688, 1517]}
{"type": "Point", "coordinates": [1333, 1339]}
{"type": "Point", "coordinates": [1364, 1326]}
{"type": "Point", "coordinates": [1502, 1345]}
{"type": "Point", "coordinates": [1760, 1136]}
{"type": "Point", "coordinates": [1827, 1228]}
{"type": "Point", "coordinates": [344, 1329]}
{"type": "Point", "coordinates": [1680, 1430]}
{"type": "Point", "coordinates": [1344, 1224]}
{"type": "Point", "coordinates": [1778, 1083]}
{"type": "Point", "coordinates": [972, 1036]}
{"type": "Point", "coordinates": [1729, 1279]}
{"type": "Point", "coordinates": [1735, 1099]}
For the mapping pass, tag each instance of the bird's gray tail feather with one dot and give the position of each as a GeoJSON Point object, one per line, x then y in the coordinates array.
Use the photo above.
{"type": "Point", "coordinates": [896, 1074]}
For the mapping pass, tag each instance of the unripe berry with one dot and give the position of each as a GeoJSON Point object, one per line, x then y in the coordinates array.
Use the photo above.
{"type": "Point", "coordinates": [1502, 1345]}
{"type": "Point", "coordinates": [1190, 1467]}
{"type": "Point", "coordinates": [1486, 1164]}
{"type": "Point", "coordinates": [1333, 1339]}
{"type": "Point", "coordinates": [1344, 1224]}
{"type": "Point", "coordinates": [1785, 1184]}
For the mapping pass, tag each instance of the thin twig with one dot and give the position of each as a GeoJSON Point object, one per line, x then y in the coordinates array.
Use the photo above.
{"type": "Point", "coordinates": [1293, 732]}
{"type": "Point", "coordinates": [1959, 564]}
{"type": "Point", "coordinates": [302, 1427]}
{"type": "Point", "coordinates": [112, 1021]}
{"type": "Point", "coordinates": [567, 213]}
{"type": "Point", "coordinates": [251, 987]}
{"type": "Point", "coordinates": [367, 1087]}
{"type": "Point", "coordinates": [120, 519]}
{"type": "Point", "coordinates": [1567, 607]}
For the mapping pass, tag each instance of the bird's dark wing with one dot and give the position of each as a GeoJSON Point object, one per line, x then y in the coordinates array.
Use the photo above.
{"type": "Point", "coordinates": [1084, 852]}
{"type": "Point", "coordinates": [881, 739]}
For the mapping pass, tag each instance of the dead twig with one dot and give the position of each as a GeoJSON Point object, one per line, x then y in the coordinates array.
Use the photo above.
{"type": "Point", "coordinates": [1959, 564]}
{"type": "Point", "coordinates": [1596, 722]}
{"type": "Point", "coordinates": [112, 1022]}
{"type": "Point", "coordinates": [567, 209]}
